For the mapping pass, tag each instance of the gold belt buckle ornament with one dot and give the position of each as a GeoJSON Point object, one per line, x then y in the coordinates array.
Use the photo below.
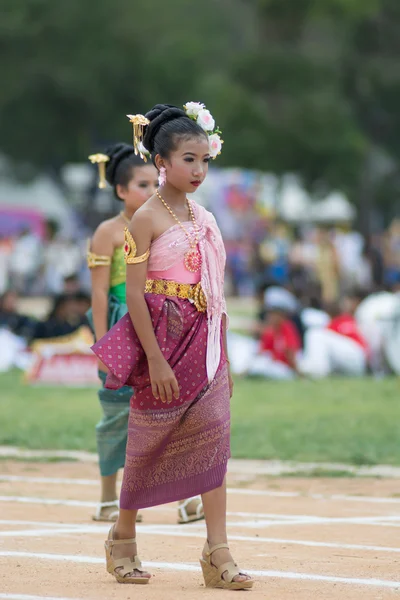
{"type": "Point", "coordinates": [199, 298]}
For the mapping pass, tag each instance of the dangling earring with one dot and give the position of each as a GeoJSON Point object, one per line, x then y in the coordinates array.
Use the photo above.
{"type": "Point", "coordinates": [162, 176]}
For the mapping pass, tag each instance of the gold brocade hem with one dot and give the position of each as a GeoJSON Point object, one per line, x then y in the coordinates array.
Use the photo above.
{"type": "Point", "coordinates": [187, 291]}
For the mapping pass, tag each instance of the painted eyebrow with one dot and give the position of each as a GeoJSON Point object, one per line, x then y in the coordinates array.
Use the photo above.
{"type": "Point", "coordinates": [193, 154]}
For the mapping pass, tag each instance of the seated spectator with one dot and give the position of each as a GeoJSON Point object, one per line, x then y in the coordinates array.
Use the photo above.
{"type": "Point", "coordinates": [72, 285]}
{"type": "Point", "coordinates": [25, 261]}
{"type": "Point", "coordinates": [280, 340]}
{"type": "Point", "coordinates": [83, 303]}
{"type": "Point", "coordinates": [65, 317]}
{"type": "Point", "coordinates": [338, 348]}
{"type": "Point", "coordinates": [10, 319]}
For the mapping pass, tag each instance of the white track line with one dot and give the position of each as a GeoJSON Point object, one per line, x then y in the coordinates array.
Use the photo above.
{"type": "Point", "coordinates": [36, 523]}
{"type": "Point", "coordinates": [237, 491]}
{"type": "Point", "coordinates": [191, 532]}
{"type": "Point", "coordinates": [274, 519]}
{"type": "Point", "coordinates": [164, 566]}
{"type": "Point", "coordinates": [29, 597]}
{"type": "Point", "coordinates": [46, 501]}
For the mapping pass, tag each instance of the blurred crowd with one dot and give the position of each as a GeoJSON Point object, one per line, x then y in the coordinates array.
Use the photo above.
{"type": "Point", "coordinates": [42, 266]}
{"type": "Point", "coordinates": [328, 299]}
{"type": "Point", "coordinates": [51, 267]}
{"type": "Point", "coordinates": [325, 261]}
{"type": "Point", "coordinates": [328, 303]}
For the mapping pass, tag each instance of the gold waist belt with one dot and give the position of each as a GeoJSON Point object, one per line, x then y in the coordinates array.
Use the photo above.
{"type": "Point", "coordinates": [187, 291]}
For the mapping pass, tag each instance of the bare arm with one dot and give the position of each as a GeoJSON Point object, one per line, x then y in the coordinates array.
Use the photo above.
{"type": "Point", "coordinates": [100, 275]}
{"type": "Point", "coordinates": [164, 383]}
{"type": "Point", "coordinates": [225, 342]}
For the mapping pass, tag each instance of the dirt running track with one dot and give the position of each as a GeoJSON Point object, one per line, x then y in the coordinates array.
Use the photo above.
{"type": "Point", "coordinates": [303, 539]}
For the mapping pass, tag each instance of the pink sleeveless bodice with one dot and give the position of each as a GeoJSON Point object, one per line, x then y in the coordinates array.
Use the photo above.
{"type": "Point", "coordinates": [178, 272]}
{"type": "Point", "coordinates": [167, 255]}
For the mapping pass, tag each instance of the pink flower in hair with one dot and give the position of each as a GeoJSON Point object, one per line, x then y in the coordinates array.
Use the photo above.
{"type": "Point", "coordinates": [205, 120]}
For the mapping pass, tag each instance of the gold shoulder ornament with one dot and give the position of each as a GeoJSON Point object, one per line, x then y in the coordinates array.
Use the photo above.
{"type": "Point", "coordinates": [96, 260]}
{"type": "Point", "coordinates": [130, 250]}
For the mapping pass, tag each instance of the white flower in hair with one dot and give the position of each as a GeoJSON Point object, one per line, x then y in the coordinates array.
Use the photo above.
{"type": "Point", "coordinates": [215, 145]}
{"type": "Point", "coordinates": [198, 112]}
{"type": "Point", "coordinates": [205, 120]}
{"type": "Point", "coordinates": [193, 108]}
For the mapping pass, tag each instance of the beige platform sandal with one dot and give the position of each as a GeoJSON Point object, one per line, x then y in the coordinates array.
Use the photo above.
{"type": "Point", "coordinates": [111, 516]}
{"type": "Point", "coordinates": [213, 576]}
{"type": "Point", "coordinates": [190, 510]}
{"type": "Point", "coordinates": [126, 564]}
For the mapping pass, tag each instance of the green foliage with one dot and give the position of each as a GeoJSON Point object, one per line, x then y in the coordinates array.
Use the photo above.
{"type": "Point", "coordinates": [349, 421]}
{"type": "Point", "coordinates": [296, 85]}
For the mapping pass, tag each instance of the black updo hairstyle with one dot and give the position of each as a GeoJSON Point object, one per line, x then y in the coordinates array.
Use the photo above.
{"type": "Point", "coordinates": [168, 125]}
{"type": "Point", "coordinates": [119, 169]}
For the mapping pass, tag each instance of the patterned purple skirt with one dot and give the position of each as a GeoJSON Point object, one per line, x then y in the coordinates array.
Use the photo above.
{"type": "Point", "coordinates": [176, 450]}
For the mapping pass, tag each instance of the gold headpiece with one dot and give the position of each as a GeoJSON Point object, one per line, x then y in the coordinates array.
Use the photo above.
{"type": "Point", "coordinates": [101, 160]}
{"type": "Point", "coordinates": [138, 122]}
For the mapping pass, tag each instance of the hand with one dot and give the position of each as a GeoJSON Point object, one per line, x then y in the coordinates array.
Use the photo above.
{"type": "Point", "coordinates": [102, 367]}
{"type": "Point", "coordinates": [231, 384]}
{"type": "Point", "coordinates": [163, 381]}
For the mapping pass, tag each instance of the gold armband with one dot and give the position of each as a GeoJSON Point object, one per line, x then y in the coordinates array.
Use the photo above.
{"type": "Point", "coordinates": [95, 260]}
{"type": "Point", "coordinates": [130, 250]}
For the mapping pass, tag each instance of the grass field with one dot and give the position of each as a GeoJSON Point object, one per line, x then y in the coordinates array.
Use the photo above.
{"type": "Point", "coordinates": [350, 421]}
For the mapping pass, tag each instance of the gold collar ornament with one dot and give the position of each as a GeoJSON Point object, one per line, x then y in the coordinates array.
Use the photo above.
{"type": "Point", "coordinates": [139, 122]}
{"type": "Point", "coordinates": [100, 160]}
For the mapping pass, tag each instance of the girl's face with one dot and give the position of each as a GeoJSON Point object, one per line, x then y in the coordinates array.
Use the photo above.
{"type": "Point", "coordinates": [187, 166]}
{"type": "Point", "coordinates": [143, 184]}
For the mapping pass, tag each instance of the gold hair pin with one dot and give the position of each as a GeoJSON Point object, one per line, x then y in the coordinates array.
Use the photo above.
{"type": "Point", "coordinates": [138, 122]}
{"type": "Point", "coordinates": [100, 160]}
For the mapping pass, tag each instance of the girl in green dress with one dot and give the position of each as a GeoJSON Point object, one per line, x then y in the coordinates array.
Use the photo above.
{"type": "Point", "coordinates": [133, 181]}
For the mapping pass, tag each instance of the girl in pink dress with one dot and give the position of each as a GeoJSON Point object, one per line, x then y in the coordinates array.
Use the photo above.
{"type": "Point", "coordinates": [171, 348]}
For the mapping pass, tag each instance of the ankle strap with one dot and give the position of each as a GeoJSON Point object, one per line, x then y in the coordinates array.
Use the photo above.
{"type": "Point", "coordinates": [216, 547]}
{"type": "Point", "coordinates": [107, 504]}
{"type": "Point", "coordinates": [127, 541]}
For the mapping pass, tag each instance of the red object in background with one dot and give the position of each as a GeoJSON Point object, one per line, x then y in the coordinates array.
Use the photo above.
{"type": "Point", "coordinates": [347, 325]}
{"type": "Point", "coordinates": [279, 341]}
{"type": "Point", "coordinates": [65, 369]}
{"type": "Point", "coordinates": [239, 199]}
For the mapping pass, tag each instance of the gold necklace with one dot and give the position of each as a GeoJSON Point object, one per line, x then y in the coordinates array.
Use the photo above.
{"type": "Point", "coordinates": [192, 259]}
{"type": "Point", "coordinates": [125, 218]}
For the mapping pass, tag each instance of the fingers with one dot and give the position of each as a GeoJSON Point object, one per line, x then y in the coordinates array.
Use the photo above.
{"type": "Point", "coordinates": [154, 389]}
{"type": "Point", "coordinates": [163, 396]}
{"type": "Point", "coordinates": [175, 388]}
{"type": "Point", "coordinates": [168, 392]}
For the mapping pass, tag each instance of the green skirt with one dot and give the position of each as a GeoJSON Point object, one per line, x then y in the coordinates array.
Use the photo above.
{"type": "Point", "coordinates": [112, 430]}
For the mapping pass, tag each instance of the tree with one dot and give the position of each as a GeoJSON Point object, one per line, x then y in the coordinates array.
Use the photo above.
{"type": "Point", "coordinates": [296, 85]}
{"type": "Point", "coordinates": [75, 69]}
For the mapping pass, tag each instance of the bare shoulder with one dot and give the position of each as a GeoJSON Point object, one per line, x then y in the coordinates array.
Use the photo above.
{"type": "Point", "coordinates": [144, 217]}
{"type": "Point", "coordinates": [106, 227]}
{"type": "Point", "coordinates": [104, 235]}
